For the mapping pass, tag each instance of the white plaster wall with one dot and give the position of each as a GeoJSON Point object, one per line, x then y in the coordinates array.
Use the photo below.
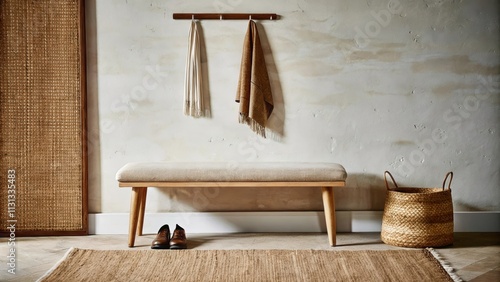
{"type": "Point", "coordinates": [410, 86]}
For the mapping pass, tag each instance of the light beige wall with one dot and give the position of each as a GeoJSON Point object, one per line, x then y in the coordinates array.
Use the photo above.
{"type": "Point", "coordinates": [410, 86]}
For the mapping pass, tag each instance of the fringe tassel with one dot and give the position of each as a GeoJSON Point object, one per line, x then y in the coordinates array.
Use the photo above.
{"type": "Point", "coordinates": [255, 126]}
{"type": "Point", "coordinates": [192, 110]}
{"type": "Point", "coordinates": [445, 265]}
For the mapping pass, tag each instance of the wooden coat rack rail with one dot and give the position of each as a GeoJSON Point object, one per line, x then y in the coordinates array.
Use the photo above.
{"type": "Point", "coordinates": [223, 16]}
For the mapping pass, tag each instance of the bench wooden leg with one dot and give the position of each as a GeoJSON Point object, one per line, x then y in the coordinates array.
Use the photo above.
{"type": "Point", "coordinates": [329, 207]}
{"type": "Point", "coordinates": [142, 208]}
{"type": "Point", "coordinates": [134, 213]}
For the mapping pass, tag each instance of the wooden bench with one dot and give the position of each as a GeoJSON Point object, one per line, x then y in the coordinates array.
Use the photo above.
{"type": "Point", "coordinates": [140, 176]}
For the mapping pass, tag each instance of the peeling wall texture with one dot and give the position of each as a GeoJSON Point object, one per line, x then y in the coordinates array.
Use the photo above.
{"type": "Point", "coordinates": [406, 86]}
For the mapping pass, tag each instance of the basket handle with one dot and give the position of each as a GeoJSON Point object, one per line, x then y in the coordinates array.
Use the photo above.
{"type": "Point", "coordinates": [446, 178]}
{"type": "Point", "coordinates": [393, 181]}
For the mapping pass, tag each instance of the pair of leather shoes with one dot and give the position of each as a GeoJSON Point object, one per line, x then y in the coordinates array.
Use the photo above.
{"type": "Point", "coordinates": [164, 241]}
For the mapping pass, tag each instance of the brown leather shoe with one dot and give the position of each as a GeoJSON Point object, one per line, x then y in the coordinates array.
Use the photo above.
{"type": "Point", "coordinates": [162, 240]}
{"type": "Point", "coordinates": [178, 240]}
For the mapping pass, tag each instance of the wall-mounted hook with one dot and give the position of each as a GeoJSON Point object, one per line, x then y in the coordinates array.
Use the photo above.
{"type": "Point", "coordinates": [222, 16]}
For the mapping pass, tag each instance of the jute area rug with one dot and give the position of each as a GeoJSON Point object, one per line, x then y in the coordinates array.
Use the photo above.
{"type": "Point", "coordinates": [248, 265]}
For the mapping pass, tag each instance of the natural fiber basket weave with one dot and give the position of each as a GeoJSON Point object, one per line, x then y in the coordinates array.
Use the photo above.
{"type": "Point", "coordinates": [42, 118]}
{"type": "Point", "coordinates": [418, 217]}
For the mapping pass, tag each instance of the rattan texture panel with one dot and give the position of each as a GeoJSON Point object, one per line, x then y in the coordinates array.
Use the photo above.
{"type": "Point", "coordinates": [42, 116]}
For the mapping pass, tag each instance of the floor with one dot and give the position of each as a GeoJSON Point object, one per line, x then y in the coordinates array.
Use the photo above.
{"type": "Point", "coordinates": [474, 256]}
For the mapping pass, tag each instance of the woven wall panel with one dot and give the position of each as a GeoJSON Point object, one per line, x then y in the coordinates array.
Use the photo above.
{"type": "Point", "coordinates": [42, 110]}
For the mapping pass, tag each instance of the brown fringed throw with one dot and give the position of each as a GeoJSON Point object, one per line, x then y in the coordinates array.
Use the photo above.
{"type": "Point", "coordinates": [254, 89]}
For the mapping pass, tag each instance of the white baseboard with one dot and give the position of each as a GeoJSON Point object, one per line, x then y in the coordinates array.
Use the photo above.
{"type": "Point", "coordinates": [234, 222]}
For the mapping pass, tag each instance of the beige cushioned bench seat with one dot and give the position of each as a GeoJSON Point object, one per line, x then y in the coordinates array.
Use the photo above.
{"type": "Point", "coordinates": [223, 172]}
{"type": "Point", "coordinates": [140, 176]}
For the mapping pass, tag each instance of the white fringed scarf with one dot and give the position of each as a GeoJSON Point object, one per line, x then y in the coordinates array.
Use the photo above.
{"type": "Point", "coordinates": [193, 96]}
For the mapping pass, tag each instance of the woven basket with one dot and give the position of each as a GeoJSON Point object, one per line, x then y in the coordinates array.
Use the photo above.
{"type": "Point", "coordinates": [418, 217]}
